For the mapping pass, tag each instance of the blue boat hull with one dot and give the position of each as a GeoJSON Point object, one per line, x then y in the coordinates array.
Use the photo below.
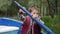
{"type": "Point", "coordinates": [11, 22]}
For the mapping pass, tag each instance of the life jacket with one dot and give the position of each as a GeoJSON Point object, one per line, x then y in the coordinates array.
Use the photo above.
{"type": "Point", "coordinates": [27, 24]}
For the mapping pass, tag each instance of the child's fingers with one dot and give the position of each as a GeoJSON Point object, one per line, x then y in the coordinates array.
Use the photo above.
{"type": "Point", "coordinates": [20, 10]}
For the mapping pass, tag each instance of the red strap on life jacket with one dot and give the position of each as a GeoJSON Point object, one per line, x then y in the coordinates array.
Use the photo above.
{"type": "Point", "coordinates": [26, 25]}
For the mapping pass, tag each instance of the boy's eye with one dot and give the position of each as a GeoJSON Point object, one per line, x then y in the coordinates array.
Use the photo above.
{"type": "Point", "coordinates": [37, 13]}
{"type": "Point", "coordinates": [34, 13]}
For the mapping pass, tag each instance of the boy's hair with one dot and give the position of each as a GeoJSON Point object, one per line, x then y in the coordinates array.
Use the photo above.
{"type": "Point", "coordinates": [33, 8]}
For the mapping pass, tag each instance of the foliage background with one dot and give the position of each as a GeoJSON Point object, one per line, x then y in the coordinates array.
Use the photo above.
{"type": "Point", "coordinates": [48, 9]}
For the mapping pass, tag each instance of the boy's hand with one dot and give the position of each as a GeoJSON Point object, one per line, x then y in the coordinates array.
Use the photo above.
{"type": "Point", "coordinates": [39, 17]}
{"type": "Point", "coordinates": [20, 10]}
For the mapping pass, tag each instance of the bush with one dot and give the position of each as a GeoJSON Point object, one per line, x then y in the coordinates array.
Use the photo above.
{"type": "Point", "coordinates": [52, 23]}
{"type": "Point", "coordinates": [46, 19]}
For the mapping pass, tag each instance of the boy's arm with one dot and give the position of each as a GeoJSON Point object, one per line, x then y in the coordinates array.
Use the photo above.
{"type": "Point", "coordinates": [26, 25]}
{"type": "Point", "coordinates": [27, 20]}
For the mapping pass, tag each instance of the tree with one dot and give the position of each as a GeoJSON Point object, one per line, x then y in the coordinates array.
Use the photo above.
{"type": "Point", "coordinates": [4, 4]}
{"type": "Point", "coordinates": [52, 4]}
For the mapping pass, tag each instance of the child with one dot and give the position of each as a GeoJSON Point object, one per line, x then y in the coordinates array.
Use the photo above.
{"type": "Point", "coordinates": [29, 23]}
{"type": "Point", "coordinates": [35, 27]}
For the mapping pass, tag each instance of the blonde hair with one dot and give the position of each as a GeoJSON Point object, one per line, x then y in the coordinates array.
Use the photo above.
{"type": "Point", "coordinates": [33, 8]}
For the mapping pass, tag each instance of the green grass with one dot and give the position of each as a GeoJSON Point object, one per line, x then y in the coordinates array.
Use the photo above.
{"type": "Point", "coordinates": [52, 23]}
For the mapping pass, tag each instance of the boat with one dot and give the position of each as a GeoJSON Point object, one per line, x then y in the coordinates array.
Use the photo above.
{"type": "Point", "coordinates": [10, 26]}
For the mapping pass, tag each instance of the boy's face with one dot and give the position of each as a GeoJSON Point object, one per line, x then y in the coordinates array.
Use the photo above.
{"type": "Point", "coordinates": [34, 13]}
